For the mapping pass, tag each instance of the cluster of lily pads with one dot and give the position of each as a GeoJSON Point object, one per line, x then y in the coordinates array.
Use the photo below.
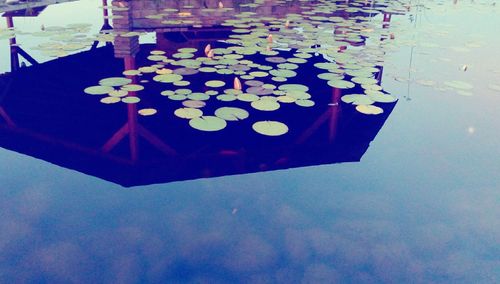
{"type": "Point", "coordinates": [436, 43]}
{"type": "Point", "coordinates": [350, 51]}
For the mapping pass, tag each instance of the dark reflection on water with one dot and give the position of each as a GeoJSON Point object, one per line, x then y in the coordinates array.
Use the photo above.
{"type": "Point", "coordinates": [420, 206]}
{"type": "Point", "coordinates": [116, 144]}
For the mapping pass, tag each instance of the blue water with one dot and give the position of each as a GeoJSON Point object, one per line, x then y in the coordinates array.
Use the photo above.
{"type": "Point", "coordinates": [422, 205]}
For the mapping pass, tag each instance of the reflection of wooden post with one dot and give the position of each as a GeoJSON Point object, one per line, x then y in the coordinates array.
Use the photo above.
{"type": "Point", "coordinates": [14, 58]}
{"type": "Point", "coordinates": [128, 45]}
{"type": "Point", "coordinates": [105, 14]}
{"type": "Point", "coordinates": [334, 109]}
{"type": "Point", "coordinates": [331, 115]}
{"type": "Point", "coordinates": [132, 128]}
{"type": "Point", "coordinates": [387, 20]}
{"type": "Point", "coordinates": [387, 17]}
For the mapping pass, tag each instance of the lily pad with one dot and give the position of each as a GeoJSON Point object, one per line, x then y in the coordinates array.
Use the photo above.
{"type": "Point", "coordinates": [270, 128]}
{"type": "Point", "coordinates": [215, 83]}
{"type": "Point", "coordinates": [98, 90]}
{"type": "Point", "coordinates": [208, 123]}
{"type": "Point", "coordinates": [265, 105]}
{"type": "Point", "coordinates": [188, 113]}
{"type": "Point", "coordinates": [147, 111]}
{"type": "Point", "coordinates": [132, 87]}
{"type": "Point", "coordinates": [341, 84]}
{"type": "Point", "coordinates": [369, 109]}
{"type": "Point", "coordinates": [459, 85]}
{"type": "Point", "coordinates": [167, 78]}
{"type": "Point", "coordinates": [231, 113]}
{"type": "Point", "coordinates": [115, 81]}
{"type": "Point", "coordinates": [131, 100]}
{"type": "Point", "coordinates": [110, 100]}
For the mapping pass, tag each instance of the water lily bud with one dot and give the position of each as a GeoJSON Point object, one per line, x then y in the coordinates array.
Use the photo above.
{"type": "Point", "coordinates": [210, 54]}
{"type": "Point", "coordinates": [207, 49]}
{"type": "Point", "coordinates": [237, 84]}
{"type": "Point", "coordinates": [270, 38]}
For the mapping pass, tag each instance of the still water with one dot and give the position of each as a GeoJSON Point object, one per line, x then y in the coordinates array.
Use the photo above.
{"type": "Point", "coordinates": [107, 179]}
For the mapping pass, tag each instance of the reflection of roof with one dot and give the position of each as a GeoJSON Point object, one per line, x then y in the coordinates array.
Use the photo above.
{"type": "Point", "coordinates": [23, 7]}
{"type": "Point", "coordinates": [53, 120]}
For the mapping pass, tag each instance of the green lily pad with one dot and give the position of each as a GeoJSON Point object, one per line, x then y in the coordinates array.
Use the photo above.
{"type": "Point", "coordinates": [194, 104]}
{"type": "Point", "coordinates": [270, 128]}
{"type": "Point", "coordinates": [147, 111]}
{"type": "Point", "coordinates": [459, 85]}
{"type": "Point", "coordinates": [131, 100]}
{"type": "Point", "coordinates": [188, 113]}
{"type": "Point", "coordinates": [341, 84]}
{"type": "Point", "coordinates": [226, 98]}
{"type": "Point", "coordinates": [132, 87]}
{"type": "Point", "coordinates": [231, 113]}
{"type": "Point", "coordinates": [369, 109]}
{"type": "Point", "coordinates": [109, 100]}
{"type": "Point", "coordinates": [98, 90]}
{"type": "Point", "coordinates": [265, 105]}
{"type": "Point", "coordinates": [115, 81]}
{"type": "Point", "coordinates": [305, 103]}
{"type": "Point", "coordinates": [215, 83]}
{"type": "Point", "coordinates": [167, 78]}
{"type": "Point", "coordinates": [208, 123]}
{"type": "Point", "coordinates": [380, 97]}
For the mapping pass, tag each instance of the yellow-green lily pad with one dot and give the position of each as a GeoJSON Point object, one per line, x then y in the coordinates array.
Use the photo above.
{"type": "Point", "coordinates": [270, 128]}
{"type": "Point", "coordinates": [231, 113]}
{"type": "Point", "coordinates": [208, 123]}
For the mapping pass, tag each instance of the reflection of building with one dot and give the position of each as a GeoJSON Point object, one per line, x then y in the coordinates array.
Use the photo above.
{"type": "Point", "coordinates": [28, 6]}
{"type": "Point", "coordinates": [58, 123]}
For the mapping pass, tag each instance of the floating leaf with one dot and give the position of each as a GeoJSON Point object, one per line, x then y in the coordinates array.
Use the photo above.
{"type": "Point", "coordinates": [115, 81]}
{"type": "Point", "coordinates": [131, 100]}
{"type": "Point", "coordinates": [98, 90]}
{"type": "Point", "coordinates": [231, 113]}
{"type": "Point", "coordinates": [270, 128]}
{"type": "Point", "coordinates": [167, 78]}
{"type": "Point", "coordinates": [208, 123]}
{"type": "Point", "coordinates": [305, 103]}
{"type": "Point", "coordinates": [118, 93]}
{"type": "Point", "coordinates": [265, 105]}
{"type": "Point", "coordinates": [380, 97]}
{"type": "Point", "coordinates": [132, 87]}
{"type": "Point", "coordinates": [369, 109]}
{"type": "Point", "coordinates": [110, 100]}
{"type": "Point", "coordinates": [226, 98]}
{"type": "Point", "coordinates": [215, 83]}
{"type": "Point", "coordinates": [341, 84]}
{"type": "Point", "coordinates": [147, 111]}
{"type": "Point", "coordinates": [131, 72]}
{"type": "Point", "coordinates": [188, 113]}
{"type": "Point", "coordinates": [458, 85]}
{"type": "Point", "coordinates": [193, 104]}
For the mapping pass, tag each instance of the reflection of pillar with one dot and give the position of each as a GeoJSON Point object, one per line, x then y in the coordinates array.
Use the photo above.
{"type": "Point", "coordinates": [105, 15]}
{"type": "Point", "coordinates": [331, 115]}
{"type": "Point", "coordinates": [387, 20]}
{"type": "Point", "coordinates": [124, 45]}
{"type": "Point", "coordinates": [132, 128]}
{"type": "Point", "coordinates": [14, 58]}
{"type": "Point", "coordinates": [334, 109]}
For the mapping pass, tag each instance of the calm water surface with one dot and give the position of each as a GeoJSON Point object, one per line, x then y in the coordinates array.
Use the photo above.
{"type": "Point", "coordinates": [410, 195]}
